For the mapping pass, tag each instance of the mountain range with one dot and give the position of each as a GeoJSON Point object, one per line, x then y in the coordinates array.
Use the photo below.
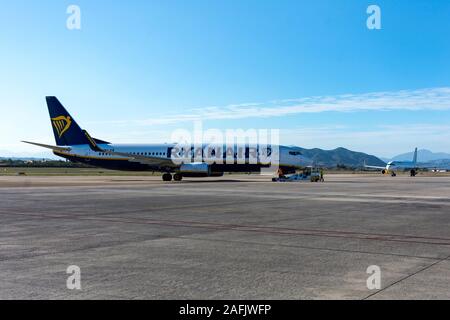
{"type": "Point", "coordinates": [423, 155]}
{"type": "Point", "coordinates": [5, 154]}
{"type": "Point", "coordinates": [340, 156]}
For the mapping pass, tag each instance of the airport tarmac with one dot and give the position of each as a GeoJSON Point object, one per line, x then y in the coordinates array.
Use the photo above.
{"type": "Point", "coordinates": [235, 237]}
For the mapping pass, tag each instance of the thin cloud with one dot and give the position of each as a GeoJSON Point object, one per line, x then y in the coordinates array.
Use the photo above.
{"type": "Point", "coordinates": [423, 99]}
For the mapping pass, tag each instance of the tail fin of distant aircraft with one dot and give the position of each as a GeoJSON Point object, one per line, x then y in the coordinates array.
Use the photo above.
{"type": "Point", "coordinates": [415, 157]}
{"type": "Point", "coordinates": [66, 130]}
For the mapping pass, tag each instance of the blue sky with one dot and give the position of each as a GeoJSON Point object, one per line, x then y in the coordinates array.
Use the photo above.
{"type": "Point", "coordinates": [138, 70]}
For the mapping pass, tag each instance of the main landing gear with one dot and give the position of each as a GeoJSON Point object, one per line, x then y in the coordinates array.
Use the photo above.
{"type": "Point", "coordinates": [168, 177]}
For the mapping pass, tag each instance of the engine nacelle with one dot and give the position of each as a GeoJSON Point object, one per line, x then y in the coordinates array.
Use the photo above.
{"type": "Point", "coordinates": [196, 169]}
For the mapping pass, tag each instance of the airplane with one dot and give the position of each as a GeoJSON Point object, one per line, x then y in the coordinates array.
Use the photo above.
{"type": "Point", "coordinates": [391, 166]}
{"type": "Point", "coordinates": [175, 162]}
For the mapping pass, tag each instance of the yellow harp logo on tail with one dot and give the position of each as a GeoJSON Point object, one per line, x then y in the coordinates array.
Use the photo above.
{"type": "Point", "coordinates": [61, 124]}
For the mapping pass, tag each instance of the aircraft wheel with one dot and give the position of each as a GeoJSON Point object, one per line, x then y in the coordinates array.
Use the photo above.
{"type": "Point", "coordinates": [177, 177]}
{"type": "Point", "coordinates": [393, 174]}
{"type": "Point", "coordinates": [413, 173]}
{"type": "Point", "coordinates": [167, 177]}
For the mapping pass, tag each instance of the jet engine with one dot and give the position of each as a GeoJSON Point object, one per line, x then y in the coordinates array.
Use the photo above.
{"type": "Point", "coordinates": [196, 169]}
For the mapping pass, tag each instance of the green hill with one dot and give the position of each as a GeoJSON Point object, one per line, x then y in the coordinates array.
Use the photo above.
{"type": "Point", "coordinates": [341, 157]}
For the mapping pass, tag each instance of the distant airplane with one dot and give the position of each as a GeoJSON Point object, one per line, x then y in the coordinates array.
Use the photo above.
{"type": "Point", "coordinates": [393, 166]}
{"type": "Point", "coordinates": [77, 145]}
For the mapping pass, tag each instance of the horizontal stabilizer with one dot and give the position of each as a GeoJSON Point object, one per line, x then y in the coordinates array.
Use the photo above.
{"type": "Point", "coordinates": [54, 148]}
{"type": "Point", "coordinates": [98, 141]}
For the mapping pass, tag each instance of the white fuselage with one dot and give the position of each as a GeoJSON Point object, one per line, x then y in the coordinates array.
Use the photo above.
{"type": "Point", "coordinates": [400, 165]}
{"type": "Point", "coordinates": [238, 159]}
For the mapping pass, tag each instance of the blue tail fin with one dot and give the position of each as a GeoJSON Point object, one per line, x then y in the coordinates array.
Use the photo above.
{"type": "Point", "coordinates": [66, 130]}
